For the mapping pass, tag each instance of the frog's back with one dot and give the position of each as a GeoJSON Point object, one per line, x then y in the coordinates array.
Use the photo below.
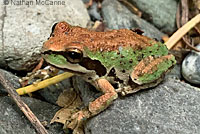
{"type": "Point", "coordinates": [126, 58]}
{"type": "Point", "coordinates": [111, 40]}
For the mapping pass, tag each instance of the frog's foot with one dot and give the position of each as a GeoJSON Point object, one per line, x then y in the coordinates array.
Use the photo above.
{"type": "Point", "coordinates": [151, 68]}
{"type": "Point", "coordinates": [38, 75]}
{"type": "Point", "coordinates": [135, 87]}
{"type": "Point", "coordinates": [24, 81]}
{"type": "Point", "coordinates": [77, 121]}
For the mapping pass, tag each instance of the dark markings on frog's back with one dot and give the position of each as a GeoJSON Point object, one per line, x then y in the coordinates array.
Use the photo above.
{"type": "Point", "coordinates": [112, 73]}
{"type": "Point", "coordinates": [117, 80]}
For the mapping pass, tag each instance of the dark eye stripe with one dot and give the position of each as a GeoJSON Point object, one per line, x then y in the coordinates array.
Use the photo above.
{"type": "Point", "coordinates": [71, 56]}
{"type": "Point", "coordinates": [53, 27]}
{"type": "Point", "coordinates": [93, 65]}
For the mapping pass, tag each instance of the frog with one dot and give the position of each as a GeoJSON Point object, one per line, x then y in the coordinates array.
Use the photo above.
{"type": "Point", "coordinates": [115, 62]}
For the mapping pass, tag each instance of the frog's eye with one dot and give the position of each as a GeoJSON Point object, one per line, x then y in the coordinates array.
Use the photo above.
{"type": "Point", "coordinates": [74, 55]}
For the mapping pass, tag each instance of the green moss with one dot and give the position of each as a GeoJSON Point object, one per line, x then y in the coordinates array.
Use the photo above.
{"type": "Point", "coordinates": [56, 59]}
{"type": "Point", "coordinates": [162, 67]}
{"type": "Point", "coordinates": [126, 58]}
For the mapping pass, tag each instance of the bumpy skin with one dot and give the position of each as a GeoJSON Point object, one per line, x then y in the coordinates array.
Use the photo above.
{"type": "Point", "coordinates": [66, 36]}
{"type": "Point", "coordinates": [119, 58]}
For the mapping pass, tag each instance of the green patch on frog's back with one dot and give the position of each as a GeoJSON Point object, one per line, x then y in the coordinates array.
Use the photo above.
{"type": "Point", "coordinates": [126, 58]}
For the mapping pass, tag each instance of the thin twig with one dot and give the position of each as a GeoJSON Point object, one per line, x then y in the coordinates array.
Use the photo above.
{"type": "Point", "coordinates": [25, 109]}
{"type": "Point", "coordinates": [178, 15]}
{"type": "Point", "coordinates": [185, 12]}
{"type": "Point", "coordinates": [131, 7]}
{"type": "Point", "coordinates": [190, 46]}
{"type": "Point", "coordinates": [197, 29]}
{"type": "Point", "coordinates": [182, 31]}
{"type": "Point", "coordinates": [184, 19]}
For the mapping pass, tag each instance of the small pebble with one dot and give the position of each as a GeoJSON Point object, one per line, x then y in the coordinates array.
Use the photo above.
{"type": "Point", "coordinates": [191, 67]}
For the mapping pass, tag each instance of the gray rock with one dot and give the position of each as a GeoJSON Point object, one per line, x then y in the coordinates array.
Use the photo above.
{"type": "Point", "coordinates": [191, 67]}
{"type": "Point", "coordinates": [24, 29]}
{"type": "Point", "coordinates": [85, 1]}
{"type": "Point", "coordinates": [14, 80]}
{"type": "Point", "coordinates": [162, 13]}
{"type": "Point", "coordinates": [175, 73]}
{"type": "Point", "coordinates": [172, 107]}
{"type": "Point", "coordinates": [118, 16]}
{"type": "Point", "coordinates": [88, 93]}
{"type": "Point", "coordinates": [94, 13]}
{"type": "Point", "coordinates": [2, 16]}
{"type": "Point", "coordinates": [13, 121]}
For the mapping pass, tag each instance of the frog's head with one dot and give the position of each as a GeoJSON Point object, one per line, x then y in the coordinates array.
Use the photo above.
{"type": "Point", "coordinates": [63, 50]}
{"type": "Point", "coordinates": [60, 51]}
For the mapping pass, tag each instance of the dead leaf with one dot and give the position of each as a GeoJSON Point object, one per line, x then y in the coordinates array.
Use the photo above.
{"type": "Point", "coordinates": [62, 115]}
{"type": "Point", "coordinates": [71, 101]}
{"type": "Point", "coordinates": [69, 98]}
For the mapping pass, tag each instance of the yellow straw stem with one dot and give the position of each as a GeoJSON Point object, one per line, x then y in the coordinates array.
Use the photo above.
{"type": "Point", "coordinates": [44, 83]}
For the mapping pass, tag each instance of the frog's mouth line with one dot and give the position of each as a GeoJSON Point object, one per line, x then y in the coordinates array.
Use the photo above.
{"type": "Point", "coordinates": [45, 55]}
{"type": "Point", "coordinates": [68, 70]}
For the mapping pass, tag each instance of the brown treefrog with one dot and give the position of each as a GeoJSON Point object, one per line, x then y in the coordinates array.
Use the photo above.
{"type": "Point", "coordinates": [117, 61]}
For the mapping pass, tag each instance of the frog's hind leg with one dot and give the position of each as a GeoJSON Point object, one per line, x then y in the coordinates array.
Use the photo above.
{"type": "Point", "coordinates": [149, 72]}
{"type": "Point", "coordinates": [134, 87]}
{"type": "Point", "coordinates": [151, 68]}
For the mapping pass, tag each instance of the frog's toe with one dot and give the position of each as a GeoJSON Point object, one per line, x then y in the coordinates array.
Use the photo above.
{"type": "Point", "coordinates": [79, 130]}
{"type": "Point", "coordinates": [76, 122]}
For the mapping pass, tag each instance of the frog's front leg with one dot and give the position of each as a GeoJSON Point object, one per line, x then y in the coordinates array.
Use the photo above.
{"type": "Point", "coordinates": [94, 107]}
{"type": "Point", "coordinates": [105, 100]}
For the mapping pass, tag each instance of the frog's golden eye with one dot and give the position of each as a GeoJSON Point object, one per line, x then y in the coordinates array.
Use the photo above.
{"type": "Point", "coordinates": [74, 55]}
